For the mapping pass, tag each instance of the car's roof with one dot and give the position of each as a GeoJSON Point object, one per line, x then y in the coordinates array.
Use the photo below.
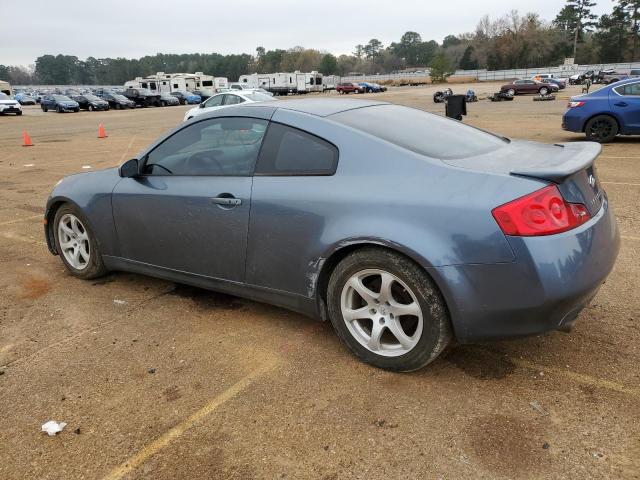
{"type": "Point", "coordinates": [323, 107]}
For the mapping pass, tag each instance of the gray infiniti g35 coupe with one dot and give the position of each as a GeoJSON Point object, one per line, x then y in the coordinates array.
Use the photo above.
{"type": "Point", "coordinates": [403, 228]}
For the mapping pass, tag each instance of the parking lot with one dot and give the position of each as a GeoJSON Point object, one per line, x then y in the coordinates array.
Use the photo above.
{"type": "Point", "coordinates": [157, 380]}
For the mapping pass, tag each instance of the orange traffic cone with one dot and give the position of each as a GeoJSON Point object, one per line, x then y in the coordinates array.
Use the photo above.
{"type": "Point", "coordinates": [26, 139]}
{"type": "Point", "coordinates": [101, 132]}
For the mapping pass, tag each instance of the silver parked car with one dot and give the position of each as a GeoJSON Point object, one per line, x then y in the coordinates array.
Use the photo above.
{"type": "Point", "coordinates": [403, 228]}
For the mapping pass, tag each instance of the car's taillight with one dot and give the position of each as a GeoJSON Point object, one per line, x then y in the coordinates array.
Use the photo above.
{"type": "Point", "coordinates": [575, 104]}
{"type": "Point", "coordinates": [543, 212]}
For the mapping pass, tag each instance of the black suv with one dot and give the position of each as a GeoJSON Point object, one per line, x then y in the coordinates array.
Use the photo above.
{"type": "Point", "coordinates": [143, 97]}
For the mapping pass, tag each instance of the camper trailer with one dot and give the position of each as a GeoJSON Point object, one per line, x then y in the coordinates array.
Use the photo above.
{"type": "Point", "coordinates": [5, 88]}
{"type": "Point", "coordinates": [329, 82]}
{"type": "Point", "coordinates": [170, 82]}
{"type": "Point", "coordinates": [283, 83]}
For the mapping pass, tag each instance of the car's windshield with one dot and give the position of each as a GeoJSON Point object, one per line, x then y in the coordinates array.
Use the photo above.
{"type": "Point", "coordinates": [4, 96]}
{"type": "Point", "coordinates": [61, 98]}
{"type": "Point", "coordinates": [122, 98]}
{"type": "Point", "coordinates": [91, 98]}
{"type": "Point", "coordinates": [145, 91]}
{"type": "Point", "coordinates": [421, 132]}
{"type": "Point", "coordinates": [259, 97]}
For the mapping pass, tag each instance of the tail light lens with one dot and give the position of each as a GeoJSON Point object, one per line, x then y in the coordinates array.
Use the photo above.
{"type": "Point", "coordinates": [543, 212]}
{"type": "Point", "coordinates": [575, 104]}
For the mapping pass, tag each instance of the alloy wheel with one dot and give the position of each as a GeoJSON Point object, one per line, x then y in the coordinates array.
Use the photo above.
{"type": "Point", "coordinates": [600, 129]}
{"type": "Point", "coordinates": [381, 312]}
{"type": "Point", "coordinates": [74, 241]}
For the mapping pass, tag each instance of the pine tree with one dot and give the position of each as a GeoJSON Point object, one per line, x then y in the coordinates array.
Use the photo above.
{"type": "Point", "coordinates": [632, 8]}
{"type": "Point", "coordinates": [576, 17]}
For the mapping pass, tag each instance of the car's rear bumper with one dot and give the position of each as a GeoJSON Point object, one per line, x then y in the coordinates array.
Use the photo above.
{"type": "Point", "coordinates": [573, 120]}
{"type": "Point", "coordinates": [551, 281]}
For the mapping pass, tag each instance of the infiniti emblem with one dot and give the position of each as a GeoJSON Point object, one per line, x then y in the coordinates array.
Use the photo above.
{"type": "Point", "coordinates": [592, 181]}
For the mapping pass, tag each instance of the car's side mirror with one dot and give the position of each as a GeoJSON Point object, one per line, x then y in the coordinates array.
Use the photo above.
{"type": "Point", "coordinates": [202, 105]}
{"type": "Point", "coordinates": [129, 169]}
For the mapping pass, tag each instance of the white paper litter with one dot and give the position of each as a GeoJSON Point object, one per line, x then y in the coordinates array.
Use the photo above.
{"type": "Point", "coordinates": [86, 167]}
{"type": "Point", "coordinates": [52, 427]}
{"type": "Point", "coordinates": [28, 165]}
{"type": "Point", "coordinates": [119, 302]}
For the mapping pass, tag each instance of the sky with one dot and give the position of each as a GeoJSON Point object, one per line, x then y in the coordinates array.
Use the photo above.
{"type": "Point", "coordinates": [132, 29]}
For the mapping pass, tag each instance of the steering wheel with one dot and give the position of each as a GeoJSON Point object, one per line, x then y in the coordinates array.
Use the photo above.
{"type": "Point", "coordinates": [205, 162]}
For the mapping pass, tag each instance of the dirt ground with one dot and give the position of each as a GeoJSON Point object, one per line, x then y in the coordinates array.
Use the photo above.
{"type": "Point", "coordinates": [162, 381]}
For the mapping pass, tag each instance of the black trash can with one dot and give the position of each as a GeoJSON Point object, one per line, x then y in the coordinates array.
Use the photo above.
{"type": "Point", "coordinates": [456, 106]}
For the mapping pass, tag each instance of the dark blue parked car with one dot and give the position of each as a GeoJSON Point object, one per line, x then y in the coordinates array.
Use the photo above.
{"type": "Point", "coordinates": [403, 228]}
{"type": "Point", "coordinates": [610, 111]}
{"type": "Point", "coordinates": [59, 103]}
{"type": "Point", "coordinates": [370, 87]}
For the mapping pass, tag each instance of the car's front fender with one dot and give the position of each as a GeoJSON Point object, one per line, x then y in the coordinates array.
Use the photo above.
{"type": "Point", "coordinates": [91, 193]}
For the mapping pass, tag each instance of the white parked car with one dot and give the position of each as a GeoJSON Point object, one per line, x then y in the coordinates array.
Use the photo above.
{"type": "Point", "coordinates": [227, 99]}
{"type": "Point", "coordinates": [9, 105]}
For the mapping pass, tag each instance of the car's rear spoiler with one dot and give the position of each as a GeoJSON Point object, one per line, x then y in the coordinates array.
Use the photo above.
{"type": "Point", "coordinates": [573, 158]}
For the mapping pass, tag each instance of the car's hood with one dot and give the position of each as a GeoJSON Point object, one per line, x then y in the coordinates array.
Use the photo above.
{"type": "Point", "coordinates": [8, 102]}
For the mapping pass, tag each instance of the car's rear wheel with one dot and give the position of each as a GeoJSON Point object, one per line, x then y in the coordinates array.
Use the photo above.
{"type": "Point", "coordinates": [387, 310]}
{"type": "Point", "coordinates": [76, 243]}
{"type": "Point", "coordinates": [544, 91]}
{"type": "Point", "coordinates": [91, 108]}
{"type": "Point", "coordinates": [602, 129]}
{"type": "Point", "coordinates": [511, 92]}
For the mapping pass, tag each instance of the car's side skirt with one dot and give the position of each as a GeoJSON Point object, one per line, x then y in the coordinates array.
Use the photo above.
{"type": "Point", "coordinates": [291, 301]}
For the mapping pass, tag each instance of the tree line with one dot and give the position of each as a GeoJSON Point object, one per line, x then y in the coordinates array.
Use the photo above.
{"type": "Point", "coordinates": [511, 41]}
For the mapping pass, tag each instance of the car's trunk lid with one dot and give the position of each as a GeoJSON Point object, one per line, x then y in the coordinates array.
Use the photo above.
{"type": "Point", "coordinates": [570, 165]}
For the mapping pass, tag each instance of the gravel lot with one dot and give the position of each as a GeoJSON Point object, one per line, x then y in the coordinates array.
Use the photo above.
{"type": "Point", "coordinates": [163, 381]}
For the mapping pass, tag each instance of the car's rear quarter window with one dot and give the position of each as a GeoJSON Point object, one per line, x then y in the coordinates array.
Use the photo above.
{"type": "Point", "coordinates": [420, 132]}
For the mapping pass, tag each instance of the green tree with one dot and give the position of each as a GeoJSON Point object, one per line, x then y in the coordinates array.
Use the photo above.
{"type": "Point", "coordinates": [632, 8]}
{"type": "Point", "coordinates": [328, 65]}
{"type": "Point", "coordinates": [611, 37]}
{"type": "Point", "coordinates": [468, 61]}
{"type": "Point", "coordinates": [372, 49]}
{"type": "Point", "coordinates": [359, 51]}
{"type": "Point", "coordinates": [576, 18]}
{"type": "Point", "coordinates": [451, 41]}
{"type": "Point", "coordinates": [440, 68]}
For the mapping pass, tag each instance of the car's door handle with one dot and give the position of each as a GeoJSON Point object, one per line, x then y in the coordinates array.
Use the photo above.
{"type": "Point", "coordinates": [621, 104]}
{"type": "Point", "coordinates": [226, 201]}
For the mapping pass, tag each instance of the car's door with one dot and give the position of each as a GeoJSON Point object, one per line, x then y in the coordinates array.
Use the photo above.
{"type": "Point", "coordinates": [625, 102]}
{"type": "Point", "coordinates": [189, 210]}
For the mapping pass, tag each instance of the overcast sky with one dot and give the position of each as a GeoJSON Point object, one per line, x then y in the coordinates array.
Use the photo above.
{"type": "Point", "coordinates": [128, 28]}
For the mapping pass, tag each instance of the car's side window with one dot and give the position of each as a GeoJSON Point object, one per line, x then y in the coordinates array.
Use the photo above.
{"type": "Point", "coordinates": [226, 146]}
{"type": "Point", "coordinates": [215, 101]}
{"type": "Point", "coordinates": [289, 151]}
{"type": "Point", "coordinates": [630, 89]}
{"type": "Point", "coordinates": [232, 99]}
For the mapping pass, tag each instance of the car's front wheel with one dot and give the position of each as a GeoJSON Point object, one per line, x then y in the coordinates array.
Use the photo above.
{"type": "Point", "coordinates": [544, 91]}
{"type": "Point", "coordinates": [387, 310]}
{"type": "Point", "coordinates": [76, 243]}
{"type": "Point", "coordinates": [602, 129]}
{"type": "Point", "coordinates": [511, 92]}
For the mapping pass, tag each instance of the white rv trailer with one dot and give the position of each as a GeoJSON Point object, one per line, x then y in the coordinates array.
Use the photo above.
{"type": "Point", "coordinates": [5, 88]}
{"type": "Point", "coordinates": [283, 83]}
{"type": "Point", "coordinates": [329, 82]}
{"type": "Point", "coordinates": [170, 82]}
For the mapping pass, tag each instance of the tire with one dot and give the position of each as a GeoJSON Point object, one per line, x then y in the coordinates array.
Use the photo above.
{"type": "Point", "coordinates": [118, 106]}
{"type": "Point", "coordinates": [90, 108]}
{"type": "Point", "coordinates": [543, 91]}
{"type": "Point", "coordinates": [94, 266]}
{"type": "Point", "coordinates": [19, 114]}
{"type": "Point", "coordinates": [59, 109]}
{"type": "Point", "coordinates": [601, 129]}
{"type": "Point", "coordinates": [76, 110]}
{"type": "Point", "coordinates": [511, 92]}
{"type": "Point", "coordinates": [426, 333]}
